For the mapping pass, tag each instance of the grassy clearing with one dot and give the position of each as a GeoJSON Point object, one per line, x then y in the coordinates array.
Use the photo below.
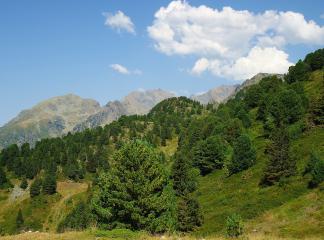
{"type": "Point", "coordinates": [314, 87]}
{"type": "Point", "coordinates": [171, 147]}
{"type": "Point", "coordinates": [71, 193]}
{"type": "Point", "coordinates": [299, 218]}
{"type": "Point", "coordinates": [41, 212]}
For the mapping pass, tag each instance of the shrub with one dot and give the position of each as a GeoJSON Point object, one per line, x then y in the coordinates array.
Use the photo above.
{"type": "Point", "coordinates": [234, 225]}
{"type": "Point", "coordinates": [316, 170]}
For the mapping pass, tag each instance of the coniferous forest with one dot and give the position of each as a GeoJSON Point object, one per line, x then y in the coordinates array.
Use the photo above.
{"type": "Point", "coordinates": [247, 165]}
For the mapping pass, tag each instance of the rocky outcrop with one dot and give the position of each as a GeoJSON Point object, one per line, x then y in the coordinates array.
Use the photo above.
{"type": "Point", "coordinates": [51, 118]}
{"type": "Point", "coordinates": [137, 102]}
{"type": "Point", "coordinates": [215, 95]}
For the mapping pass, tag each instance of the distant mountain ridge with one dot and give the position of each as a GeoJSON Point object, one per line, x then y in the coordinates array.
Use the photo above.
{"type": "Point", "coordinates": [138, 102]}
{"type": "Point", "coordinates": [215, 95]}
{"type": "Point", "coordinates": [50, 118]}
{"type": "Point", "coordinates": [70, 113]}
{"type": "Point", "coordinates": [59, 115]}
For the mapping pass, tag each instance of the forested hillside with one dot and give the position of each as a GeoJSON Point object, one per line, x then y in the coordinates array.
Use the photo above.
{"type": "Point", "coordinates": [254, 164]}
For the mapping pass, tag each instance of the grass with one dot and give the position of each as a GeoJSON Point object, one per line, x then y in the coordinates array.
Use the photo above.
{"type": "Point", "coordinates": [127, 235]}
{"type": "Point", "coordinates": [221, 196]}
{"type": "Point", "coordinates": [314, 87]}
{"type": "Point", "coordinates": [41, 212]}
{"type": "Point", "coordinates": [171, 147]}
{"type": "Point", "coordinates": [299, 218]}
{"type": "Point", "coordinates": [71, 193]}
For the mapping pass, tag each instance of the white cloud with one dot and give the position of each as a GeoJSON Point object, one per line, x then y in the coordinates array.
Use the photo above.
{"type": "Point", "coordinates": [228, 39]}
{"type": "Point", "coordinates": [266, 60]}
{"type": "Point", "coordinates": [120, 22]}
{"type": "Point", "coordinates": [119, 68]}
{"type": "Point", "coordinates": [123, 70]}
{"type": "Point", "coordinates": [200, 66]}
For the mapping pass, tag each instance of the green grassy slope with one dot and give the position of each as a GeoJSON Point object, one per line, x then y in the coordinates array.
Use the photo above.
{"type": "Point", "coordinates": [294, 209]}
{"type": "Point", "coordinates": [42, 213]}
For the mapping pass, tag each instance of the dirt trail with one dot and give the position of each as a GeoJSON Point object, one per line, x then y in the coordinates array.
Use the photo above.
{"type": "Point", "coordinates": [67, 190]}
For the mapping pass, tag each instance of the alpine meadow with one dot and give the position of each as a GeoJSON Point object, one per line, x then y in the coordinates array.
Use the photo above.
{"type": "Point", "coordinates": [234, 151]}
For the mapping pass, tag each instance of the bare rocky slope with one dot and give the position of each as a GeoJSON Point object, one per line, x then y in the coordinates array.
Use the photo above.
{"type": "Point", "coordinates": [215, 95]}
{"type": "Point", "coordinates": [50, 118]}
{"type": "Point", "coordinates": [137, 102]}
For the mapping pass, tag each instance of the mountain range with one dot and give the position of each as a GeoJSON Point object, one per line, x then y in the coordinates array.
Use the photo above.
{"type": "Point", "coordinates": [70, 113]}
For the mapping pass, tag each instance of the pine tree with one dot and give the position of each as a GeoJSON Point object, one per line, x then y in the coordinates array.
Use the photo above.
{"type": "Point", "coordinates": [281, 164]}
{"type": "Point", "coordinates": [24, 183]}
{"type": "Point", "coordinates": [244, 155]}
{"type": "Point", "coordinates": [136, 192]}
{"type": "Point", "coordinates": [49, 183]}
{"type": "Point", "coordinates": [185, 183]}
{"type": "Point", "coordinates": [299, 72]}
{"type": "Point", "coordinates": [35, 188]}
{"type": "Point", "coordinates": [209, 154]}
{"type": "Point", "coordinates": [315, 168]}
{"type": "Point", "coordinates": [184, 175]}
{"type": "Point", "coordinates": [3, 178]}
{"type": "Point", "coordinates": [188, 214]}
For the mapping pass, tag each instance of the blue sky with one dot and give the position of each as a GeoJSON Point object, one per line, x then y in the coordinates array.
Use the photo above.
{"type": "Point", "coordinates": [51, 48]}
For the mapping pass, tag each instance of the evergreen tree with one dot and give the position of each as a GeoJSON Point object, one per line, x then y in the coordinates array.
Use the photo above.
{"type": "Point", "coordinates": [49, 183]}
{"type": "Point", "coordinates": [315, 60]}
{"type": "Point", "coordinates": [35, 188]}
{"type": "Point", "coordinates": [184, 175]}
{"type": "Point", "coordinates": [297, 73]}
{"type": "Point", "coordinates": [232, 130]}
{"type": "Point", "coordinates": [3, 178]}
{"type": "Point", "coordinates": [253, 95]}
{"type": "Point", "coordinates": [19, 220]}
{"type": "Point", "coordinates": [244, 155]}
{"type": "Point", "coordinates": [188, 214]}
{"type": "Point", "coordinates": [24, 183]}
{"type": "Point", "coordinates": [315, 167]}
{"type": "Point", "coordinates": [286, 107]}
{"type": "Point", "coordinates": [313, 159]}
{"type": "Point", "coordinates": [185, 183]}
{"type": "Point", "coordinates": [243, 115]}
{"type": "Point", "coordinates": [281, 164]}
{"type": "Point", "coordinates": [209, 154]}
{"type": "Point", "coordinates": [136, 192]}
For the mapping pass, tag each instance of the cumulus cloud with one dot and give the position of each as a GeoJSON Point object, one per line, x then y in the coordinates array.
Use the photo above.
{"type": "Point", "coordinates": [123, 70]}
{"type": "Point", "coordinates": [120, 22]}
{"type": "Point", "coordinates": [266, 60]}
{"type": "Point", "coordinates": [230, 40]}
